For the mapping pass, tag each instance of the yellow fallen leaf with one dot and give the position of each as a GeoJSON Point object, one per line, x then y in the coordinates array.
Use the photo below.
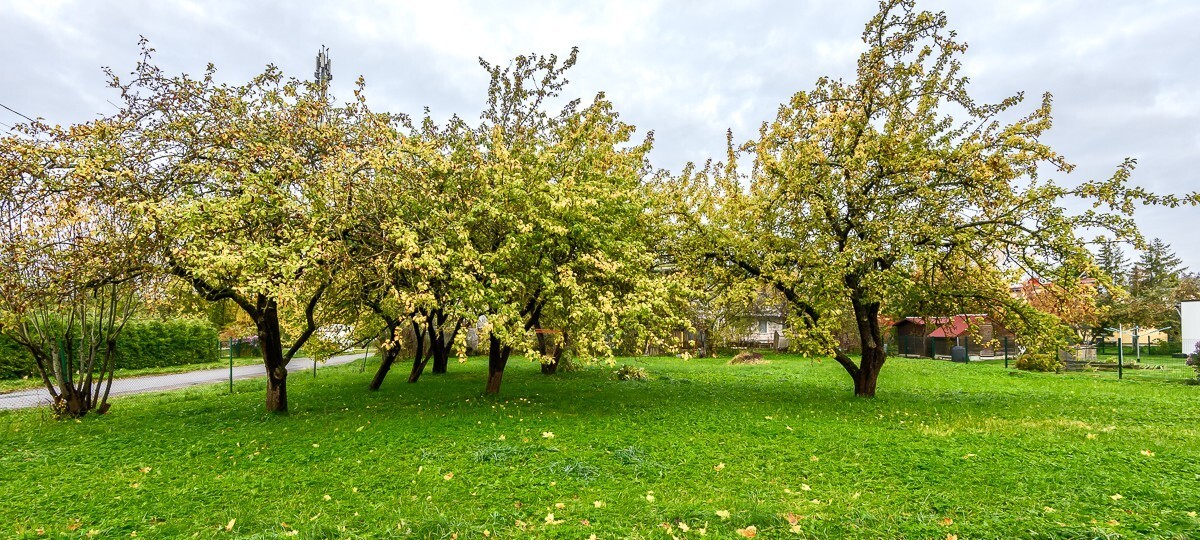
{"type": "Point", "coordinates": [597, 504]}
{"type": "Point", "coordinates": [1113, 523]}
{"type": "Point", "coordinates": [229, 526]}
{"type": "Point", "coordinates": [315, 445]}
{"type": "Point", "coordinates": [748, 532]}
{"type": "Point", "coordinates": [795, 529]}
{"type": "Point", "coordinates": [448, 476]}
{"type": "Point", "coordinates": [1048, 510]}
{"type": "Point", "coordinates": [1116, 497]}
{"type": "Point", "coordinates": [292, 532]}
{"type": "Point", "coordinates": [684, 527]}
{"type": "Point", "coordinates": [560, 505]}
{"type": "Point", "coordinates": [719, 466]}
{"type": "Point", "coordinates": [951, 537]}
{"type": "Point", "coordinates": [1191, 514]}
{"type": "Point", "coordinates": [1147, 453]}
{"type": "Point", "coordinates": [547, 434]}
{"type": "Point", "coordinates": [592, 537]}
{"type": "Point", "coordinates": [502, 436]}
{"type": "Point", "coordinates": [327, 497]}
{"type": "Point", "coordinates": [135, 485]}
{"type": "Point", "coordinates": [946, 522]}
{"type": "Point", "coordinates": [145, 470]}
{"type": "Point", "coordinates": [805, 487]}
{"type": "Point", "coordinates": [1091, 435]}
{"type": "Point", "coordinates": [814, 458]}
{"type": "Point", "coordinates": [551, 521]}
{"type": "Point", "coordinates": [486, 533]}
{"type": "Point", "coordinates": [968, 456]}
{"type": "Point", "coordinates": [650, 496]}
{"type": "Point", "coordinates": [791, 518]}
{"type": "Point", "coordinates": [723, 514]}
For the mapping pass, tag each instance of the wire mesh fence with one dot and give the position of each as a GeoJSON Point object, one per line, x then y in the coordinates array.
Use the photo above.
{"type": "Point", "coordinates": [31, 392]}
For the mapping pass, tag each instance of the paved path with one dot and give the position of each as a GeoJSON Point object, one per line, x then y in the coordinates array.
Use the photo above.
{"type": "Point", "coordinates": [174, 381]}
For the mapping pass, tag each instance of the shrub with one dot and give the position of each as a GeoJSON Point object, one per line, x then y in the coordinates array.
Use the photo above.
{"type": "Point", "coordinates": [631, 373]}
{"type": "Point", "coordinates": [142, 344]}
{"type": "Point", "coordinates": [1039, 361]}
{"type": "Point", "coordinates": [1194, 361]}
{"type": "Point", "coordinates": [747, 357]}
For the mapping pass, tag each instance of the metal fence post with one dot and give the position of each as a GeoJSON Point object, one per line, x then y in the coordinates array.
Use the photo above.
{"type": "Point", "coordinates": [1005, 352]}
{"type": "Point", "coordinates": [230, 365]}
{"type": "Point", "coordinates": [1120, 357]}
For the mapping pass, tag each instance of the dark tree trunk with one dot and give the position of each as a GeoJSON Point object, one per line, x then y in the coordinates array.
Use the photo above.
{"type": "Point", "coordinates": [866, 315]}
{"type": "Point", "coordinates": [270, 341]}
{"type": "Point", "coordinates": [551, 367]}
{"type": "Point", "coordinates": [441, 344]}
{"type": "Point", "coordinates": [385, 364]}
{"type": "Point", "coordinates": [420, 358]}
{"type": "Point", "coordinates": [497, 359]}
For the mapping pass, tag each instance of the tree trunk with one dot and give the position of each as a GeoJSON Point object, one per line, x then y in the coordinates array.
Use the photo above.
{"type": "Point", "coordinates": [866, 315]}
{"type": "Point", "coordinates": [419, 357]}
{"type": "Point", "coordinates": [389, 358]}
{"type": "Point", "coordinates": [497, 359]}
{"type": "Point", "coordinates": [270, 341]}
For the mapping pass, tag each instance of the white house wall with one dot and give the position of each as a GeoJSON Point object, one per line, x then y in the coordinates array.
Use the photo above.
{"type": "Point", "coordinates": [1189, 315]}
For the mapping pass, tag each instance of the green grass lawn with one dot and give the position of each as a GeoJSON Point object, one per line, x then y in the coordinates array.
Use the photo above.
{"type": "Point", "coordinates": [945, 449]}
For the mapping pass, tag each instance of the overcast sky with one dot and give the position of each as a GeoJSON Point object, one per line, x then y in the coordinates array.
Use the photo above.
{"type": "Point", "coordinates": [1125, 75]}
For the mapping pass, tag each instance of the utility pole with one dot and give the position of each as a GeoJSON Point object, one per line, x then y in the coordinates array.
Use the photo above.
{"type": "Point", "coordinates": [324, 73]}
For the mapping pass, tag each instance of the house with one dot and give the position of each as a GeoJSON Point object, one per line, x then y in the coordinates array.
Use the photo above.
{"type": "Point", "coordinates": [935, 336]}
{"type": "Point", "coordinates": [1189, 317]}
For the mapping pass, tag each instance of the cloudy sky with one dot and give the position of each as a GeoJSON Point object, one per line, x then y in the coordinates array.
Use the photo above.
{"type": "Point", "coordinates": [1125, 75]}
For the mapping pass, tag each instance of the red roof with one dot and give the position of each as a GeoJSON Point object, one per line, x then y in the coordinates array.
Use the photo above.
{"type": "Point", "coordinates": [946, 326]}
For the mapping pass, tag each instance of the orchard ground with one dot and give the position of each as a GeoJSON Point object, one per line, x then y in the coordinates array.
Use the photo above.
{"type": "Point", "coordinates": [703, 448]}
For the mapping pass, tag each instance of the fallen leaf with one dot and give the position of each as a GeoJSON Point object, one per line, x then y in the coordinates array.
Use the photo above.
{"type": "Point", "coordinates": [684, 527]}
{"type": "Point", "coordinates": [814, 458]}
{"type": "Point", "coordinates": [1113, 523]}
{"type": "Point", "coordinates": [315, 445]}
{"type": "Point", "coordinates": [597, 504]}
{"type": "Point", "coordinates": [1048, 510]}
{"type": "Point", "coordinates": [502, 436]}
{"type": "Point", "coordinates": [551, 521]}
{"type": "Point", "coordinates": [448, 476]}
{"type": "Point", "coordinates": [719, 466]}
{"type": "Point", "coordinates": [968, 456]}
{"type": "Point", "coordinates": [795, 529]}
{"type": "Point", "coordinates": [1116, 497]}
{"type": "Point", "coordinates": [951, 537]}
{"type": "Point", "coordinates": [559, 505]}
{"type": "Point", "coordinates": [650, 496]}
{"type": "Point", "coordinates": [229, 526]}
{"type": "Point", "coordinates": [946, 522]}
{"type": "Point", "coordinates": [1147, 453]}
{"type": "Point", "coordinates": [1091, 435]}
{"type": "Point", "coordinates": [791, 518]}
{"type": "Point", "coordinates": [145, 470]}
{"type": "Point", "coordinates": [805, 487]}
{"type": "Point", "coordinates": [723, 514]}
{"type": "Point", "coordinates": [1191, 514]}
{"type": "Point", "coordinates": [547, 434]}
{"type": "Point", "coordinates": [327, 497]}
{"type": "Point", "coordinates": [748, 532]}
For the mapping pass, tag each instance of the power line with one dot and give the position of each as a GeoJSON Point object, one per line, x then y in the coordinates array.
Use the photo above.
{"type": "Point", "coordinates": [14, 111]}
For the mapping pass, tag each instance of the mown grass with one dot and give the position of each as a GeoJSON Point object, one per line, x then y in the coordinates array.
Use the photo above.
{"type": "Point", "coordinates": [945, 449]}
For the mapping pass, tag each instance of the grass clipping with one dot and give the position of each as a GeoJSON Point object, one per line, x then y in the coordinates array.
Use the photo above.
{"type": "Point", "coordinates": [749, 358]}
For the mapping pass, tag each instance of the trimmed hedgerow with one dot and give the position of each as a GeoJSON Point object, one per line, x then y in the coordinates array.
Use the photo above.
{"type": "Point", "coordinates": [142, 344]}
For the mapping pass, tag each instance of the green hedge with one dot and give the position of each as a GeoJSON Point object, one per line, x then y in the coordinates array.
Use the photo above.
{"type": "Point", "coordinates": [142, 344]}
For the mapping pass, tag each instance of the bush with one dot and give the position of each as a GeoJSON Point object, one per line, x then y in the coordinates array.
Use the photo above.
{"type": "Point", "coordinates": [747, 357]}
{"type": "Point", "coordinates": [1039, 362]}
{"type": "Point", "coordinates": [631, 373]}
{"type": "Point", "coordinates": [142, 344]}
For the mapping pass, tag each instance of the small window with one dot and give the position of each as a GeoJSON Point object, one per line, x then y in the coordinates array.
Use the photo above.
{"type": "Point", "coordinates": [762, 327]}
